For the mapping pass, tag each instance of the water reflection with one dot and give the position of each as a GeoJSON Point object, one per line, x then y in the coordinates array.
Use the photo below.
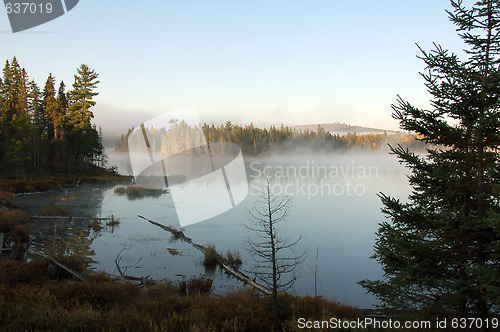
{"type": "Point", "coordinates": [342, 226]}
{"type": "Point", "coordinates": [74, 233]}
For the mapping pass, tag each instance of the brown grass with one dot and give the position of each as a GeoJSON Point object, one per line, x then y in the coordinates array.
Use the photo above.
{"type": "Point", "coordinates": [46, 183]}
{"type": "Point", "coordinates": [233, 259]}
{"type": "Point", "coordinates": [7, 200]}
{"type": "Point", "coordinates": [211, 256]}
{"type": "Point", "coordinates": [120, 190]}
{"type": "Point", "coordinates": [9, 218]}
{"type": "Point", "coordinates": [134, 192]}
{"type": "Point", "coordinates": [29, 301]}
{"type": "Point", "coordinates": [54, 210]}
{"type": "Point", "coordinates": [200, 285]}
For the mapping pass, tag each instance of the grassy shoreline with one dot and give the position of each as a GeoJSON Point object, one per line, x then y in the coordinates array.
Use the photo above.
{"type": "Point", "coordinates": [32, 184]}
{"type": "Point", "coordinates": [31, 300]}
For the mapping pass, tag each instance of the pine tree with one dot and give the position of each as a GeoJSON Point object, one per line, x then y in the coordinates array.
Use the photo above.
{"type": "Point", "coordinates": [37, 130]}
{"type": "Point", "coordinates": [83, 138]}
{"type": "Point", "coordinates": [7, 112]}
{"type": "Point", "coordinates": [62, 101]}
{"type": "Point", "coordinates": [50, 108]}
{"type": "Point", "coordinates": [15, 119]}
{"type": "Point", "coordinates": [61, 129]}
{"type": "Point", "coordinates": [79, 113]}
{"type": "Point", "coordinates": [440, 252]}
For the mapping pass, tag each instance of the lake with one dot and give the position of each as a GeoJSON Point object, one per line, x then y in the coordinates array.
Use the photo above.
{"type": "Point", "coordinates": [334, 206]}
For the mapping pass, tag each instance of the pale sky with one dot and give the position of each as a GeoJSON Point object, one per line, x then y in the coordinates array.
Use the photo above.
{"type": "Point", "coordinates": [261, 61]}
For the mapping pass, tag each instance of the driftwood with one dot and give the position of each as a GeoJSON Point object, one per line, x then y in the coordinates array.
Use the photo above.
{"type": "Point", "coordinates": [61, 265]}
{"type": "Point", "coordinates": [142, 280]}
{"type": "Point", "coordinates": [237, 274]}
{"type": "Point", "coordinates": [69, 218]}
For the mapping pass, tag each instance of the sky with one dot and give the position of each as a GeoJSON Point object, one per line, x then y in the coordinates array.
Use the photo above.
{"type": "Point", "coordinates": [261, 61]}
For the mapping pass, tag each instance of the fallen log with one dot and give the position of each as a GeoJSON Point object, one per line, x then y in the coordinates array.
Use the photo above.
{"type": "Point", "coordinates": [61, 265]}
{"type": "Point", "coordinates": [178, 234]}
{"type": "Point", "coordinates": [143, 281]}
{"type": "Point", "coordinates": [237, 274]}
{"type": "Point", "coordinates": [69, 218]}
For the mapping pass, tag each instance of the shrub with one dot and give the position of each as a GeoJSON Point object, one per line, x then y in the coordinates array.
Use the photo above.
{"type": "Point", "coordinates": [14, 272]}
{"type": "Point", "coordinates": [211, 256]}
{"type": "Point", "coordinates": [54, 210]}
{"type": "Point", "coordinates": [7, 200]}
{"type": "Point", "coordinates": [134, 192]}
{"type": "Point", "coordinates": [120, 190]}
{"type": "Point", "coordinates": [74, 262]}
{"type": "Point", "coordinates": [9, 218]}
{"type": "Point", "coordinates": [160, 290]}
{"type": "Point", "coordinates": [233, 259]}
{"type": "Point", "coordinates": [5, 196]}
{"type": "Point", "coordinates": [29, 301]}
{"type": "Point", "coordinates": [19, 233]}
{"type": "Point", "coordinates": [200, 285]}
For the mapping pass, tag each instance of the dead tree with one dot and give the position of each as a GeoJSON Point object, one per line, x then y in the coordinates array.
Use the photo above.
{"type": "Point", "coordinates": [276, 258]}
{"type": "Point", "coordinates": [228, 268]}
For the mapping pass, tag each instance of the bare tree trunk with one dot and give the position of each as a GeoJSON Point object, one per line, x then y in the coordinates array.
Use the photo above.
{"type": "Point", "coordinates": [237, 274]}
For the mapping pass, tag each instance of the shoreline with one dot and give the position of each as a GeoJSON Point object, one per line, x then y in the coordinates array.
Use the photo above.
{"type": "Point", "coordinates": [41, 184]}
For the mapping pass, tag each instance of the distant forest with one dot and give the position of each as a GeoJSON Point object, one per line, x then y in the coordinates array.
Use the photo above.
{"type": "Point", "coordinates": [257, 141]}
{"type": "Point", "coordinates": [47, 131]}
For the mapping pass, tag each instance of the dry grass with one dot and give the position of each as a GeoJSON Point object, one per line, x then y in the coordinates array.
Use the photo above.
{"type": "Point", "coordinates": [233, 259]}
{"type": "Point", "coordinates": [211, 256]}
{"type": "Point", "coordinates": [134, 192]}
{"type": "Point", "coordinates": [201, 285]}
{"type": "Point", "coordinates": [46, 183]}
{"type": "Point", "coordinates": [29, 301]}
{"type": "Point", "coordinates": [7, 200]}
{"type": "Point", "coordinates": [10, 218]}
{"type": "Point", "coordinates": [54, 210]}
{"type": "Point", "coordinates": [120, 190]}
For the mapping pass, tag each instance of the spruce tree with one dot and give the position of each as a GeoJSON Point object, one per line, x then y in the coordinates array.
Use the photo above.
{"type": "Point", "coordinates": [61, 127]}
{"type": "Point", "coordinates": [83, 139]}
{"type": "Point", "coordinates": [79, 114]}
{"type": "Point", "coordinates": [50, 108]}
{"type": "Point", "coordinates": [440, 251]}
{"type": "Point", "coordinates": [15, 119]}
{"type": "Point", "coordinates": [37, 129]}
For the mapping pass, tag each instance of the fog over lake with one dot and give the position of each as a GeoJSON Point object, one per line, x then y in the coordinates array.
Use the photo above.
{"type": "Point", "coordinates": [334, 206]}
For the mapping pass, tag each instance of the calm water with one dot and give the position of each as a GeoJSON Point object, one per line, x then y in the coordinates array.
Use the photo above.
{"type": "Point", "coordinates": [334, 206]}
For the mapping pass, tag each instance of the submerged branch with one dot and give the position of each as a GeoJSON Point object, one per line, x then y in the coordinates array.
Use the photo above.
{"type": "Point", "coordinates": [237, 274]}
{"type": "Point", "coordinates": [142, 280]}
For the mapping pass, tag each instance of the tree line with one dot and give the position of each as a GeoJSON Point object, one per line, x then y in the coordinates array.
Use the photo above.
{"type": "Point", "coordinates": [47, 131]}
{"type": "Point", "coordinates": [256, 141]}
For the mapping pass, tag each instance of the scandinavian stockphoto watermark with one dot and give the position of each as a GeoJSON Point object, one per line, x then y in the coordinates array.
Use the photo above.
{"type": "Point", "coordinates": [205, 179]}
{"type": "Point", "coordinates": [311, 179]}
{"type": "Point", "coordinates": [24, 15]}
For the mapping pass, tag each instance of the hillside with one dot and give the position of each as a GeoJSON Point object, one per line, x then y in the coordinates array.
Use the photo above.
{"type": "Point", "coordinates": [342, 129]}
